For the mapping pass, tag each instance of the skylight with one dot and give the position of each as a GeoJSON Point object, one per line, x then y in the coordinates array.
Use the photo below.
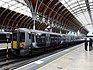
{"type": "Point", "coordinates": [16, 5]}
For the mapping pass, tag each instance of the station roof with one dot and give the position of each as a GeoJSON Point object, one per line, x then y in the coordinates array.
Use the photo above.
{"type": "Point", "coordinates": [18, 13]}
{"type": "Point", "coordinates": [55, 10]}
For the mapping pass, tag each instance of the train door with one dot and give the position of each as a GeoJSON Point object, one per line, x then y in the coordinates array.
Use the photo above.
{"type": "Point", "coordinates": [47, 40]}
{"type": "Point", "coordinates": [15, 40]}
{"type": "Point", "coordinates": [33, 40]}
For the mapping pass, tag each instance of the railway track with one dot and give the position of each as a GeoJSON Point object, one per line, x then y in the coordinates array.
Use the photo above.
{"type": "Point", "coordinates": [3, 54]}
{"type": "Point", "coordinates": [20, 61]}
{"type": "Point", "coordinates": [15, 61]}
{"type": "Point", "coordinates": [3, 58]}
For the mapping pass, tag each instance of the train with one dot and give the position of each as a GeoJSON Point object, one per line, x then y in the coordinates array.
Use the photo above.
{"type": "Point", "coordinates": [4, 36]}
{"type": "Point", "coordinates": [25, 40]}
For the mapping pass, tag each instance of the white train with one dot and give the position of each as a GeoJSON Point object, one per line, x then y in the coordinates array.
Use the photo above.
{"type": "Point", "coordinates": [24, 40]}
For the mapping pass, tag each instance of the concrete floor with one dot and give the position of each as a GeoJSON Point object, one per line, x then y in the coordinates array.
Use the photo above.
{"type": "Point", "coordinates": [77, 59]}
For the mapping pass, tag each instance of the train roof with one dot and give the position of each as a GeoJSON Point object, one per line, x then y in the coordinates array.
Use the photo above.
{"type": "Point", "coordinates": [23, 29]}
{"type": "Point", "coordinates": [37, 31]}
{"type": "Point", "coordinates": [41, 32]}
{"type": "Point", "coordinates": [5, 32]}
{"type": "Point", "coordinates": [44, 32]}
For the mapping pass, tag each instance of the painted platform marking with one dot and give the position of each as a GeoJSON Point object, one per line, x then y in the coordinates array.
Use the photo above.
{"type": "Point", "coordinates": [38, 62]}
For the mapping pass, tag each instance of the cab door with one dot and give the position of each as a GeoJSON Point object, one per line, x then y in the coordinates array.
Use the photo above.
{"type": "Point", "coordinates": [18, 40]}
{"type": "Point", "coordinates": [15, 40]}
{"type": "Point", "coordinates": [47, 40]}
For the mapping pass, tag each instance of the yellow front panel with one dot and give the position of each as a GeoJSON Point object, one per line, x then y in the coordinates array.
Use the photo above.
{"type": "Point", "coordinates": [14, 44]}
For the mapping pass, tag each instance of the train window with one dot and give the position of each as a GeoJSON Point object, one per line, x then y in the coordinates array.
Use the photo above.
{"type": "Point", "coordinates": [40, 39]}
{"type": "Point", "coordinates": [2, 37]}
{"type": "Point", "coordinates": [7, 35]}
{"type": "Point", "coordinates": [14, 36]}
{"type": "Point", "coordinates": [22, 36]}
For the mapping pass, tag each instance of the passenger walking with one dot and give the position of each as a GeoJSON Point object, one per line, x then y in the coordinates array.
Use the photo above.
{"type": "Point", "coordinates": [90, 44]}
{"type": "Point", "coordinates": [86, 44]}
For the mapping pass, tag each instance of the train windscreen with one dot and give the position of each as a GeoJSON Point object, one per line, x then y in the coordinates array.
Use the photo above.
{"type": "Point", "coordinates": [22, 37]}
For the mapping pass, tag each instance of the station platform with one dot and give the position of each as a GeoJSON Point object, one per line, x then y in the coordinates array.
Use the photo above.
{"type": "Point", "coordinates": [4, 46]}
{"type": "Point", "coordinates": [74, 58]}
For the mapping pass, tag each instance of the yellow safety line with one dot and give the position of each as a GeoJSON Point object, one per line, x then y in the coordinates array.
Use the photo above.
{"type": "Point", "coordinates": [6, 61]}
{"type": "Point", "coordinates": [7, 56]}
{"type": "Point", "coordinates": [54, 60]}
{"type": "Point", "coordinates": [7, 53]}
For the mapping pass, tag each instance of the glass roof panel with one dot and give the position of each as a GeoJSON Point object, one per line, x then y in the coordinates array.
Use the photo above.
{"type": "Point", "coordinates": [92, 12]}
{"type": "Point", "coordinates": [83, 5]}
{"type": "Point", "coordinates": [1, 3]}
{"type": "Point", "coordinates": [16, 5]}
{"type": "Point", "coordinates": [21, 1]}
{"type": "Point", "coordinates": [91, 4]}
{"type": "Point", "coordinates": [89, 27]}
{"type": "Point", "coordinates": [5, 5]}
{"type": "Point", "coordinates": [74, 5]}
{"type": "Point", "coordinates": [12, 2]}
{"type": "Point", "coordinates": [12, 8]}
{"type": "Point", "coordinates": [90, 0]}
{"type": "Point", "coordinates": [62, 1]}
{"type": "Point", "coordinates": [6, 0]}
{"type": "Point", "coordinates": [91, 7]}
{"type": "Point", "coordinates": [82, 2]}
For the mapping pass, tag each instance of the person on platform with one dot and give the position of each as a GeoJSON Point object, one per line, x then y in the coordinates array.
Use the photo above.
{"type": "Point", "coordinates": [86, 44]}
{"type": "Point", "coordinates": [90, 44]}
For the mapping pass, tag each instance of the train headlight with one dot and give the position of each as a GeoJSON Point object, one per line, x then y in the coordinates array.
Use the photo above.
{"type": "Point", "coordinates": [22, 46]}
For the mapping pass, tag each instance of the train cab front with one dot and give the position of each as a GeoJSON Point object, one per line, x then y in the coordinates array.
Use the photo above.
{"type": "Point", "coordinates": [18, 43]}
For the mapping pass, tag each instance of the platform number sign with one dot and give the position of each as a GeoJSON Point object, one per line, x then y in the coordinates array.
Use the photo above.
{"type": "Point", "coordinates": [7, 35]}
